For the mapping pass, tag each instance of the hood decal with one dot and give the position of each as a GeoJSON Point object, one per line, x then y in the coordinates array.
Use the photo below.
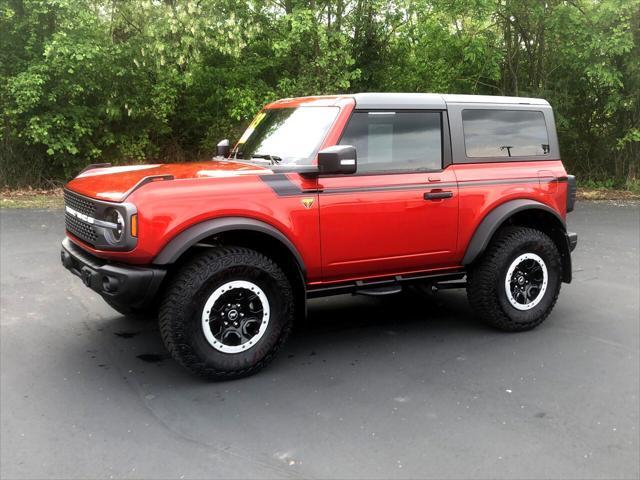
{"type": "Point", "coordinates": [283, 186]}
{"type": "Point", "coordinates": [115, 183]}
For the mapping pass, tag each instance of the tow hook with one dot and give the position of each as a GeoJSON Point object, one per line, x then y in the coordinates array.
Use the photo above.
{"type": "Point", "coordinates": [86, 276]}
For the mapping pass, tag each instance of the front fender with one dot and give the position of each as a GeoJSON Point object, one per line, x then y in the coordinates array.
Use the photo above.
{"type": "Point", "coordinates": [192, 235]}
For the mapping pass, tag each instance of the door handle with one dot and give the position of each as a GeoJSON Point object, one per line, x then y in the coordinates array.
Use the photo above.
{"type": "Point", "coordinates": [438, 195]}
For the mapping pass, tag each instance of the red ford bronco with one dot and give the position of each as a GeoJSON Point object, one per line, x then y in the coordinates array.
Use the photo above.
{"type": "Point", "coordinates": [362, 193]}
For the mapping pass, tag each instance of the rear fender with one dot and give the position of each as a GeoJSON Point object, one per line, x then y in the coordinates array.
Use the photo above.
{"type": "Point", "coordinates": [518, 210]}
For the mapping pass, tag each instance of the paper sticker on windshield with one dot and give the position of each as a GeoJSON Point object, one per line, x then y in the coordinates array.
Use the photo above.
{"type": "Point", "coordinates": [252, 126]}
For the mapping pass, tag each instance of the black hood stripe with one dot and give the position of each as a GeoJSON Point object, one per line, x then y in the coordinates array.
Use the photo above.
{"type": "Point", "coordinates": [284, 187]}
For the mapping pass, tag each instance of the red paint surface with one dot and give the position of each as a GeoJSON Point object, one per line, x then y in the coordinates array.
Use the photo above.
{"type": "Point", "coordinates": [342, 236]}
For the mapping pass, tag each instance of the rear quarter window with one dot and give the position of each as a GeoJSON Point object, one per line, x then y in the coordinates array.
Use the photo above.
{"type": "Point", "coordinates": [504, 133]}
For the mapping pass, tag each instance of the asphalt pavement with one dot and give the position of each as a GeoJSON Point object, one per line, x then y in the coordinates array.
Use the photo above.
{"type": "Point", "coordinates": [366, 388]}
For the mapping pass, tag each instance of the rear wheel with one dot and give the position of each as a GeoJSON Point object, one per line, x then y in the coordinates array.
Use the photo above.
{"type": "Point", "coordinates": [515, 285]}
{"type": "Point", "coordinates": [226, 313]}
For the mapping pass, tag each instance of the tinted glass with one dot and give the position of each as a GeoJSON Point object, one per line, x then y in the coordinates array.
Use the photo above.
{"type": "Point", "coordinates": [395, 141]}
{"type": "Point", "coordinates": [504, 133]}
{"type": "Point", "coordinates": [293, 134]}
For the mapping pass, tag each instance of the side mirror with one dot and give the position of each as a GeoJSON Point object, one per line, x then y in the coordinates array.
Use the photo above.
{"type": "Point", "coordinates": [223, 148]}
{"type": "Point", "coordinates": [337, 160]}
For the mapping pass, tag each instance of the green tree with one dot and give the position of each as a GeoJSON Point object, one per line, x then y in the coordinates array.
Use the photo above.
{"type": "Point", "coordinates": [140, 80]}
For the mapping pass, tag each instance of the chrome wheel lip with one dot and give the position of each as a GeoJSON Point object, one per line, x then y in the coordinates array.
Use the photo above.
{"type": "Point", "coordinates": [208, 306]}
{"type": "Point", "coordinates": [509, 277]}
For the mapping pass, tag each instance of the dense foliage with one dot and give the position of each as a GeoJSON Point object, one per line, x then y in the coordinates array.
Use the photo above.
{"type": "Point", "coordinates": [83, 81]}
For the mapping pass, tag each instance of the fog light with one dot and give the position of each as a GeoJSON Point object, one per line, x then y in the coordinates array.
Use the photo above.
{"type": "Point", "coordinates": [110, 284]}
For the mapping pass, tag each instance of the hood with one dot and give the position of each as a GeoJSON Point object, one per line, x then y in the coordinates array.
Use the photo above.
{"type": "Point", "coordinates": [115, 183]}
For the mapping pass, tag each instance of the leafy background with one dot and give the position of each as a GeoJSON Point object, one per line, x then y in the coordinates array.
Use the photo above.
{"type": "Point", "coordinates": [85, 81]}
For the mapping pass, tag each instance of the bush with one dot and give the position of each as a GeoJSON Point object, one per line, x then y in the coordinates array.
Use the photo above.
{"type": "Point", "coordinates": [83, 81]}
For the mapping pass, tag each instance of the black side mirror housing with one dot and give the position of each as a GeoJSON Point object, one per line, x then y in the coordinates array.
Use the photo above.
{"type": "Point", "coordinates": [223, 148]}
{"type": "Point", "coordinates": [337, 160]}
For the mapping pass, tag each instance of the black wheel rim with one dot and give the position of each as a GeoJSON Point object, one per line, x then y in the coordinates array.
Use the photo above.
{"type": "Point", "coordinates": [235, 316]}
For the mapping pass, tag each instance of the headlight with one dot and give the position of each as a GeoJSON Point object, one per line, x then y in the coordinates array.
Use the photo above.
{"type": "Point", "coordinates": [115, 217]}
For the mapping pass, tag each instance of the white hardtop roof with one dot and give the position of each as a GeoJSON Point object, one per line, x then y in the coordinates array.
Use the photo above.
{"type": "Point", "coordinates": [434, 100]}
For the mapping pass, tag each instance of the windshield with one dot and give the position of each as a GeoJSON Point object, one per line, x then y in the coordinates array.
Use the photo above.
{"type": "Point", "coordinates": [286, 135]}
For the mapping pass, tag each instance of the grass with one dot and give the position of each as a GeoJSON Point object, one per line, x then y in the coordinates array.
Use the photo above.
{"type": "Point", "coordinates": [608, 190]}
{"type": "Point", "coordinates": [31, 198]}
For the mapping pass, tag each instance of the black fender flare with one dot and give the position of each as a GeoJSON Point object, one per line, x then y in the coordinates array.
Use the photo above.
{"type": "Point", "coordinates": [192, 235]}
{"type": "Point", "coordinates": [499, 215]}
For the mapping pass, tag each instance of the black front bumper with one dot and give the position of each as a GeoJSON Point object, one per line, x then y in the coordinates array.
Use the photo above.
{"type": "Point", "coordinates": [126, 285]}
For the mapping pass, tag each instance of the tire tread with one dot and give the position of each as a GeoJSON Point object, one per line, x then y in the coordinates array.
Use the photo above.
{"type": "Point", "coordinates": [483, 276]}
{"type": "Point", "coordinates": [180, 291]}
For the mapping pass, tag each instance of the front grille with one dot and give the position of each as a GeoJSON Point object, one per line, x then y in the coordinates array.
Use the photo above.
{"type": "Point", "coordinates": [83, 230]}
{"type": "Point", "coordinates": [80, 204]}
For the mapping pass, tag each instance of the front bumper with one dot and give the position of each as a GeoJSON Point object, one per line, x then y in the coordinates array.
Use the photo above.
{"type": "Point", "coordinates": [126, 285]}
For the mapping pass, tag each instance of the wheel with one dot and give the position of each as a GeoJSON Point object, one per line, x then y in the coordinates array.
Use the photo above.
{"type": "Point", "coordinates": [226, 313]}
{"type": "Point", "coordinates": [516, 282]}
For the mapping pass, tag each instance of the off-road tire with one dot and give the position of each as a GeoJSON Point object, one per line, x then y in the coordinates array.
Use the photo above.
{"type": "Point", "coordinates": [181, 310]}
{"type": "Point", "coordinates": [485, 282]}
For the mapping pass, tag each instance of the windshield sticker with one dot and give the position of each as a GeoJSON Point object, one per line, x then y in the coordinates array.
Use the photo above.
{"type": "Point", "coordinates": [252, 126]}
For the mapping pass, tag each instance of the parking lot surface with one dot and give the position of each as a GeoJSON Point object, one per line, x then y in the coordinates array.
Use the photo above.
{"type": "Point", "coordinates": [367, 388]}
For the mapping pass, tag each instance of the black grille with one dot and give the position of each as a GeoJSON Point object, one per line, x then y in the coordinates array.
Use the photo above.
{"type": "Point", "coordinates": [83, 230]}
{"type": "Point", "coordinates": [80, 204]}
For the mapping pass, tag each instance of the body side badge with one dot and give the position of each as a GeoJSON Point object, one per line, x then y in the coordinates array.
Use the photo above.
{"type": "Point", "coordinates": [307, 202]}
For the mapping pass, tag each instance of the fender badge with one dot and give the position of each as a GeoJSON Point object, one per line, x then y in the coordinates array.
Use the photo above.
{"type": "Point", "coordinates": [307, 202]}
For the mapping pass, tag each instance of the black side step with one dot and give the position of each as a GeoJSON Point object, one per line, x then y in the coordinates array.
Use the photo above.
{"type": "Point", "coordinates": [448, 286]}
{"type": "Point", "coordinates": [383, 286]}
{"type": "Point", "coordinates": [379, 291]}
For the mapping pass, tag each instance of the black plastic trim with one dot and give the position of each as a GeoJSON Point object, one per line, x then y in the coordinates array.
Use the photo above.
{"type": "Point", "coordinates": [103, 240]}
{"type": "Point", "coordinates": [356, 285]}
{"type": "Point", "coordinates": [189, 237]}
{"type": "Point", "coordinates": [572, 190]}
{"type": "Point", "coordinates": [126, 285]}
{"type": "Point", "coordinates": [447, 156]}
{"type": "Point", "coordinates": [497, 217]}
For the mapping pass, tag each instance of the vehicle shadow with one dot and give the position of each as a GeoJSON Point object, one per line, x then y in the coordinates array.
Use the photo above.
{"type": "Point", "coordinates": [401, 311]}
{"type": "Point", "coordinates": [336, 329]}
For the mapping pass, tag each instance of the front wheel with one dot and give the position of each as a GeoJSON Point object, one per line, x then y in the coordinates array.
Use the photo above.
{"type": "Point", "coordinates": [515, 285]}
{"type": "Point", "coordinates": [226, 313]}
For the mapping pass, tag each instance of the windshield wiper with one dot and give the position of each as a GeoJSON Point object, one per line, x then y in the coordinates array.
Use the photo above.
{"type": "Point", "coordinates": [271, 159]}
{"type": "Point", "coordinates": [274, 159]}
